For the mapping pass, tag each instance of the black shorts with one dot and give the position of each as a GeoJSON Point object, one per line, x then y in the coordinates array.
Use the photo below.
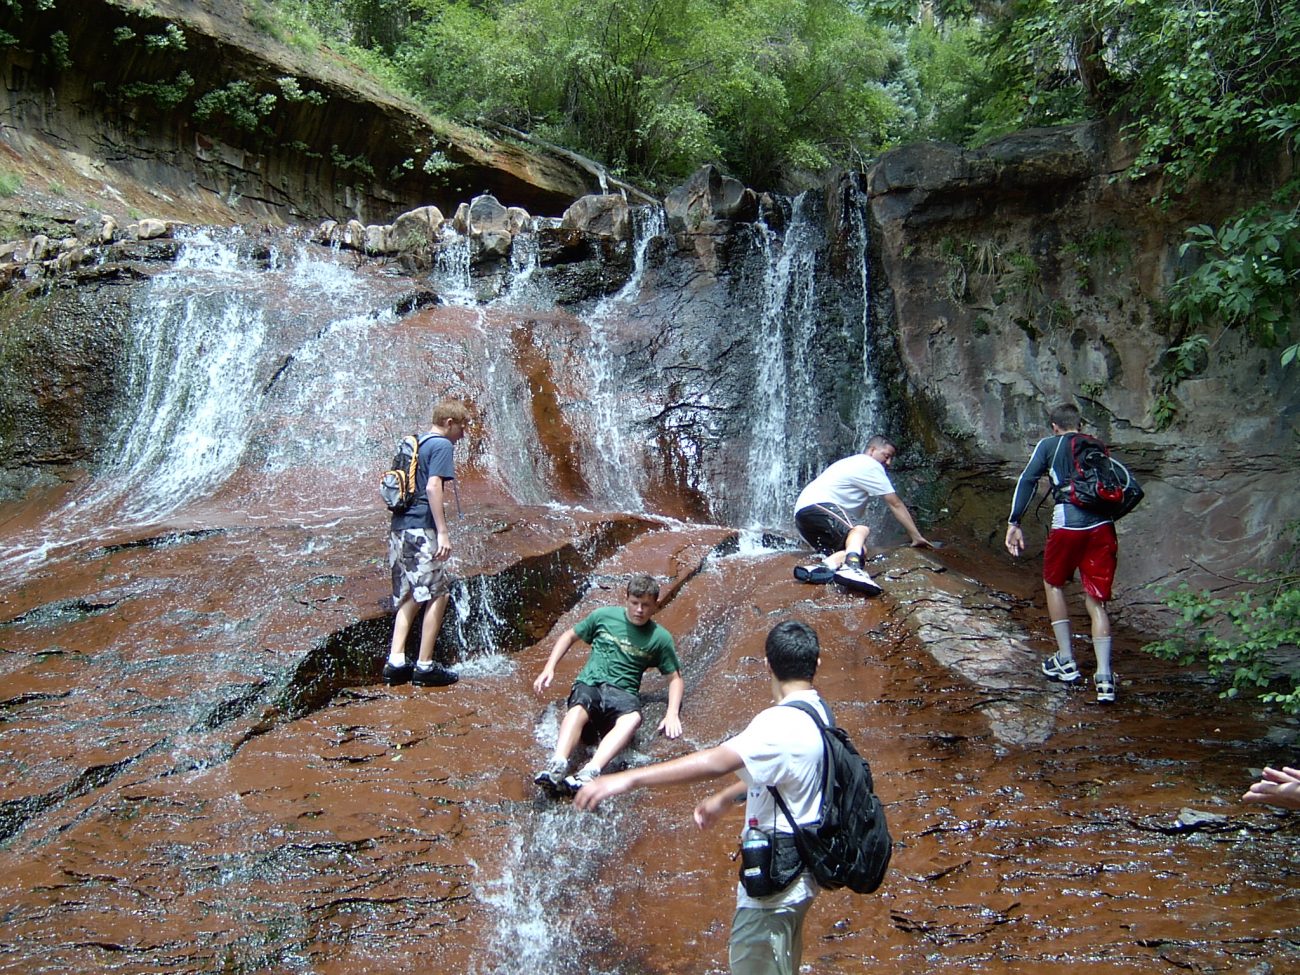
{"type": "Point", "coordinates": [825, 527]}
{"type": "Point", "coordinates": [604, 704]}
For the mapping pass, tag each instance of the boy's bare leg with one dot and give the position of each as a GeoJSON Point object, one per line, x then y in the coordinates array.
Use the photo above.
{"type": "Point", "coordinates": [402, 627]}
{"type": "Point", "coordinates": [431, 627]}
{"type": "Point", "coordinates": [570, 731]}
{"type": "Point", "coordinates": [618, 738]}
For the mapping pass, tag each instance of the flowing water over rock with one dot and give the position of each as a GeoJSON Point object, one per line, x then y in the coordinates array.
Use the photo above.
{"type": "Point", "coordinates": [203, 772]}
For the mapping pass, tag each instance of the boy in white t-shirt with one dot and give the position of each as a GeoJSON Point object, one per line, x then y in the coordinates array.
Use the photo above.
{"type": "Point", "coordinates": [829, 514]}
{"type": "Point", "coordinates": [780, 747]}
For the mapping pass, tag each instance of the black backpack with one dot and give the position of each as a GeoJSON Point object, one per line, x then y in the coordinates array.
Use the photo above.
{"type": "Point", "coordinates": [1097, 482]}
{"type": "Point", "coordinates": [849, 846]}
{"type": "Point", "coordinates": [397, 485]}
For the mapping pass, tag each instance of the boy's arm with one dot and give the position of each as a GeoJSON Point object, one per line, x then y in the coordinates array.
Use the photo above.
{"type": "Point", "coordinates": [711, 809]}
{"type": "Point", "coordinates": [671, 725]}
{"type": "Point", "coordinates": [695, 767]}
{"type": "Point", "coordinates": [433, 490]}
{"type": "Point", "coordinates": [562, 645]}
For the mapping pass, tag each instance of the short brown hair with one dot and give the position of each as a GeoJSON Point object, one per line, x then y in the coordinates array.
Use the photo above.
{"type": "Point", "coordinates": [643, 585]}
{"type": "Point", "coordinates": [1066, 416]}
{"type": "Point", "coordinates": [450, 409]}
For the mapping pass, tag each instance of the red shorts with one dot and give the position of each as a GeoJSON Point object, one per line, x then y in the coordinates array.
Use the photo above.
{"type": "Point", "coordinates": [1093, 551]}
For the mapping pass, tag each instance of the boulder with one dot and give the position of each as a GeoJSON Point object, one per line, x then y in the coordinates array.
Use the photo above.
{"type": "Point", "coordinates": [354, 235]}
{"type": "Point", "coordinates": [414, 230]}
{"type": "Point", "coordinates": [486, 215]}
{"type": "Point", "coordinates": [150, 228]}
{"type": "Point", "coordinates": [709, 203]}
{"type": "Point", "coordinates": [375, 239]}
{"type": "Point", "coordinates": [518, 220]}
{"type": "Point", "coordinates": [605, 214]}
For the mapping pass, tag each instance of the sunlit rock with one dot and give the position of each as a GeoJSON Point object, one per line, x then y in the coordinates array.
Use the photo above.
{"type": "Point", "coordinates": [606, 214]}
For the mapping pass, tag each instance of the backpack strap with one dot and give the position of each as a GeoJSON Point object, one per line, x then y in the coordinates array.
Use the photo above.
{"type": "Point", "coordinates": [811, 711]}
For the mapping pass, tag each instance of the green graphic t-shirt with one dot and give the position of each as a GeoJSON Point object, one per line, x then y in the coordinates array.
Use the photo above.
{"type": "Point", "coordinates": [621, 652]}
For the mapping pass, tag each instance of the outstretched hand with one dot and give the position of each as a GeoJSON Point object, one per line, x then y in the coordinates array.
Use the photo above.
{"type": "Point", "coordinates": [1277, 787]}
{"type": "Point", "coordinates": [670, 727]}
{"type": "Point", "coordinates": [601, 788]}
{"type": "Point", "coordinates": [1015, 540]}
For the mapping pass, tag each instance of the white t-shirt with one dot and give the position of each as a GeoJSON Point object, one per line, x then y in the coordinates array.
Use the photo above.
{"type": "Point", "coordinates": [848, 483]}
{"type": "Point", "coordinates": [782, 747]}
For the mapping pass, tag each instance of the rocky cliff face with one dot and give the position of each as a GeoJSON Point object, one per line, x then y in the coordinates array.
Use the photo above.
{"type": "Point", "coordinates": [1001, 281]}
{"type": "Point", "coordinates": [186, 109]}
{"type": "Point", "coordinates": [1024, 274]}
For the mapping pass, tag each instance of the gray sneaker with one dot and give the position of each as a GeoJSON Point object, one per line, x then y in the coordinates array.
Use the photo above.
{"type": "Point", "coordinates": [1105, 685]}
{"type": "Point", "coordinates": [552, 777]}
{"type": "Point", "coordinates": [580, 778]}
{"type": "Point", "coordinates": [1066, 671]}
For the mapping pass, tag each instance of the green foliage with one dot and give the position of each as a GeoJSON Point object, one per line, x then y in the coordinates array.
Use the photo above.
{"type": "Point", "coordinates": [165, 94]}
{"type": "Point", "coordinates": [239, 103]}
{"type": "Point", "coordinates": [1249, 276]}
{"type": "Point", "coordinates": [172, 38]}
{"type": "Point", "coordinates": [293, 93]}
{"type": "Point", "coordinates": [654, 89]}
{"type": "Point", "coordinates": [358, 164]}
{"type": "Point", "coordinates": [59, 51]}
{"type": "Point", "coordinates": [10, 182]}
{"type": "Point", "coordinates": [1247, 635]}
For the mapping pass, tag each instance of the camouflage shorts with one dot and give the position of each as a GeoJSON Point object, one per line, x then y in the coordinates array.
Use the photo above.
{"type": "Point", "coordinates": [415, 570]}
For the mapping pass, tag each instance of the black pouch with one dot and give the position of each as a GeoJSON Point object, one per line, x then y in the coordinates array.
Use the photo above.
{"type": "Point", "coordinates": [770, 870]}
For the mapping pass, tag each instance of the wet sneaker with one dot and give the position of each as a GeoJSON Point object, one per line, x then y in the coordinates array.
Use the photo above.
{"type": "Point", "coordinates": [857, 579]}
{"type": "Point", "coordinates": [397, 674]}
{"type": "Point", "coordinates": [1105, 685]}
{"type": "Point", "coordinates": [818, 574]}
{"type": "Point", "coordinates": [552, 777]}
{"type": "Point", "coordinates": [1066, 671]}
{"type": "Point", "coordinates": [580, 778]}
{"type": "Point", "coordinates": [435, 676]}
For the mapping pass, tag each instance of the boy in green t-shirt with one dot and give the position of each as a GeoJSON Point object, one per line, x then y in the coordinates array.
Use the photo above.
{"type": "Point", "coordinates": [625, 643]}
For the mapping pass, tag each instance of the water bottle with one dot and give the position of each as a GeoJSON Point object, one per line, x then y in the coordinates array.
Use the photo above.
{"type": "Point", "coordinates": [756, 861]}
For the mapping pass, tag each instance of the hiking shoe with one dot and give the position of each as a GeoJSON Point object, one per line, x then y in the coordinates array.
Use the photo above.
{"type": "Point", "coordinates": [818, 574]}
{"type": "Point", "coordinates": [1105, 685]}
{"type": "Point", "coordinates": [397, 674]}
{"type": "Point", "coordinates": [1066, 671]}
{"type": "Point", "coordinates": [580, 778]}
{"type": "Point", "coordinates": [435, 676]}
{"type": "Point", "coordinates": [552, 777]}
{"type": "Point", "coordinates": [857, 579]}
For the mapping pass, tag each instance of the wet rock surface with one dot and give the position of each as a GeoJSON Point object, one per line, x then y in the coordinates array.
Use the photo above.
{"type": "Point", "coordinates": [204, 772]}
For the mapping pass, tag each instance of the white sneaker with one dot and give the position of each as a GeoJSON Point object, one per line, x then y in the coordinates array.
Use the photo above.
{"type": "Point", "coordinates": [858, 580]}
{"type": "Point", "coordinates": [1066, 671]}
{"type": "Point", "coordinates": [552, 777]}
{"type": "Point", "coordinates": [581, 777]}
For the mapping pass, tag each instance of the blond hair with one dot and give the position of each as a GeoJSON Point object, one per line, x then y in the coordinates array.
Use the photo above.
{"type": "Point", "coordinates": [448, 410]}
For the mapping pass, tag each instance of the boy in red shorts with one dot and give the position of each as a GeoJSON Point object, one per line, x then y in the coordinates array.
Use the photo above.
{"type": "Point", "coordinates": [1078, 540]}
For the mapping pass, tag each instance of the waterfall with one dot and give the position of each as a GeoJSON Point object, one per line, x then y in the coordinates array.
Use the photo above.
{"type": "Point", "coordinates": [867, 409]}
{"type": "Point", "coordinates": [616, 465]}
{"type": "Point", "coordinates": [191, 383]}
{"type": "Point", "coordinates": [787, 402]}
{"type": "Point", "coordinates": [451, 269]}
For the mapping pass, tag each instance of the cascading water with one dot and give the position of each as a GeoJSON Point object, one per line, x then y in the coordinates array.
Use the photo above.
{"type": "Point", "coordinates": [192, 384]}
{"type": "Point", "coordinates": [786, 399]}
{"type": "Point", "coordinates": [868, 407]}
{"type": "Point", "coordinates": [796, 419]}
{"type": "Point", "coordinates": [617, 463]}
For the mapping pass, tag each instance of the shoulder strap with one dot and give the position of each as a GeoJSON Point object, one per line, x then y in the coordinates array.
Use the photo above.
{"type": "Point", "coordinates": [811, 711]}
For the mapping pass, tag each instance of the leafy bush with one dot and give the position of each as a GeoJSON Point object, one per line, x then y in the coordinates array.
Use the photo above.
{"type": "Point", "coordinates": [1247, 635]}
